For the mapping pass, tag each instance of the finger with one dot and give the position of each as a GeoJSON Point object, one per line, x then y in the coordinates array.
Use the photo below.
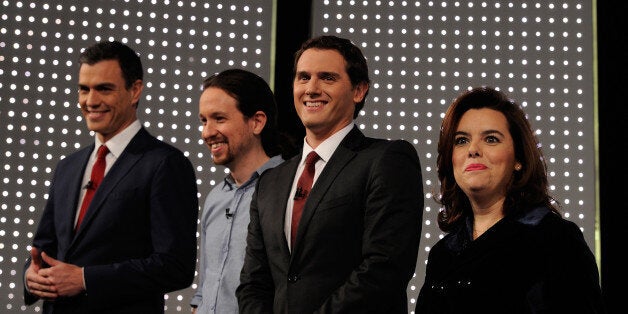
{"type": "Point", "coordinates": [47, 295]}
{"type": "Point", "coordinates": [49, 260]}
{"type": "Point", "coordinates": [35, 258]}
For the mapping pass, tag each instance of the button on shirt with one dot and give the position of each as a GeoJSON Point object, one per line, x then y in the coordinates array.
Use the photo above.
{"type": "Point", "coordinates": [223, 242]}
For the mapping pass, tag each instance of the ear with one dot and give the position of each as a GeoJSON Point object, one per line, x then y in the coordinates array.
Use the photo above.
{"type": "Point", "coordinates": [359, 92]}
{"type": "Point", "coordinates": [136, 91]}
{"type": "Point", "coordinates": [258, 121]}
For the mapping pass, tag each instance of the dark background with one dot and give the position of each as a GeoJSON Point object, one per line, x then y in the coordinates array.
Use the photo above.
{"type": "Point", "coordinates": [293, 27]}
{"type": "Point", "coordinates": [613, 148]}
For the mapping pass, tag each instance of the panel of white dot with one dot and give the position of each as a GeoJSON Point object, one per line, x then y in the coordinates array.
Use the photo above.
{"type": "Point", "coordinates": [180, 43]}
{"type": "Point", "coordinates": [422, 54]}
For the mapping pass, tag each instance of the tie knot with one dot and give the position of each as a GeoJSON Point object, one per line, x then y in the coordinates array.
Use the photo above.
{"type": "Point", "coordinates": [311, 158]}
{"type": "Point", "coordinates": [103, 150]}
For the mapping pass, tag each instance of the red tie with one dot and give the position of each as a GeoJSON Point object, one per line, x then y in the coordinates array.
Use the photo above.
{"type": "Point", "coordinates": [303, 190]}
{"type": "Point", "coordinates": [98, 172]}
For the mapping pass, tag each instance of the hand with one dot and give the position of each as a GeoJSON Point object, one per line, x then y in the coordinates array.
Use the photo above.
{"type": "Point", "coordinates": [193, 310]}
{"type": "Point", "coordinates": [66, 279]}
{"type": "Point", "coordinates": [37, 284]}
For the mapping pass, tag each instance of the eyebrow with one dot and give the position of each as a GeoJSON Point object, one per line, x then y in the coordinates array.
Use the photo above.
{"type": "Point", "coordinates": [486, 132]}
{"type": "Point", "coordinates": [319, 74]}
{"type": "Point", "coordinates": [101, 85]}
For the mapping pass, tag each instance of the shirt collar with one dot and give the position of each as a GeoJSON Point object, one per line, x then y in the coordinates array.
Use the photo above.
{"type": "Point", "coordinates": [230, 183]}
{"type": "Point", "coordinates": [328, 146]}
{"type": "Point", "coordinates": [118, 143]}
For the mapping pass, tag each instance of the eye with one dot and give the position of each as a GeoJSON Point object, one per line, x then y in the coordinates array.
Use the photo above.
{"type": "Point", "coordinates": [460, 140]}
{"type": "Point", "coordinates": [302, 77]}
{"type": "Point", "coordinates": [492, 139]}
{"type": "Point", "coordinates": [327, 77]}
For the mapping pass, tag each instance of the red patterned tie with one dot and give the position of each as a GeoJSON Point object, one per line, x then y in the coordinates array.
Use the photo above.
{"type": "Point", "coordinates": [303, 190]}
{"type": "Point", "coordinates": [98, 172]}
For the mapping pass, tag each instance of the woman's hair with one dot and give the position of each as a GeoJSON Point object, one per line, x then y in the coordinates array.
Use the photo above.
{"type": "Point", "coordinates": [528, 188]}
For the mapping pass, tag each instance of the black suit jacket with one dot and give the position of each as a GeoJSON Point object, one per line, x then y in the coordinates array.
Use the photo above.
{"type": "Point", "coordinates": [537, 262]}
{"type": "Point", "coordinates": [138, 238]}
{"type": "Point", "coordinates": [358, 237]}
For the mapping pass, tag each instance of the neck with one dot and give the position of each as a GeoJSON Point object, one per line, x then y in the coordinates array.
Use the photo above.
{"type": "Point", "coordinates": [245, 167]}
{"type": "Point", "coordinates": [485, 217]}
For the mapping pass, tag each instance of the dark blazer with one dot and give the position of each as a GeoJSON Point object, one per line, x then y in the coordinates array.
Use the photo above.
{"type": "Point", "coordinates": [536, 263]}
{"type": "Point", "coordinates": [357, 241]}
{"type": "Point", "coordinates": [138, 238]}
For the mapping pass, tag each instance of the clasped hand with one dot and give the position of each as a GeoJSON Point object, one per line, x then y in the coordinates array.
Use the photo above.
{"type": "Point", "coordinates": [57, 280]}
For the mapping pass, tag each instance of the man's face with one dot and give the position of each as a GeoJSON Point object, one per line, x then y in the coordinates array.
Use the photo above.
{"type": "Point", "coordinates": [323, 95]}
{"type": "Point", "coordinates": [106, 104]}
{"type": "Point", "coordinates": [228, 134]}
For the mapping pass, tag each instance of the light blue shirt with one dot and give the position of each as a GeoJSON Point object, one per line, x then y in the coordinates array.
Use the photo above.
{"type": "Point", "coordinates": [223, 242]}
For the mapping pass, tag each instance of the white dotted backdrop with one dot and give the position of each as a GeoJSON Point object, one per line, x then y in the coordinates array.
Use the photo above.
{"type": "Point", "coordinates": [180, 44]}
{"type": "Point", "coordinates": [421, 54]}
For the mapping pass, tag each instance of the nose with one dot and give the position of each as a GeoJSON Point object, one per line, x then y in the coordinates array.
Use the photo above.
{"type": "Point", "coordinates": [312, 88]}
{"type": "Point", "coordinates": [208, 131]}
{"type": "Point", "coordinates": [92, 98]}
{"type": "Point", "coordinates": [474, 151]}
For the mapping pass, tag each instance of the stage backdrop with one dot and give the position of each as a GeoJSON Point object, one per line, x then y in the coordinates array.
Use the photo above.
{"type": "Point", "coordinates": [421, 54]}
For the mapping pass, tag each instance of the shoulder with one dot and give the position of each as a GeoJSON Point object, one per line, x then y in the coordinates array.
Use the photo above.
{"type": "Point", "coordinates": [554, 231]}
{"type": "Point", "coordinates": [544, 218]}
{"type": "Point", "coordinates": [144, 142]}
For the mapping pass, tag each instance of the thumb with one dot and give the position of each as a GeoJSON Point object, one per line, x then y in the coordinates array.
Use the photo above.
{"type": "Point", "coordinates": [49, 260]}
{"type": "Point", "coordinates": [35, 258]}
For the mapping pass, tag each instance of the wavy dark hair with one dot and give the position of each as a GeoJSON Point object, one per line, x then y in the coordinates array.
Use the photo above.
{"type": "Point", "coordinates": [529, 187]}
{"type": "Point", "coordinates": [252, 94]}
{"type": "Point", "coordinates": [357, 69]}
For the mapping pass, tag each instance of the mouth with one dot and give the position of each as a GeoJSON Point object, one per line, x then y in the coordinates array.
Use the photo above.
{"type": "Point", "coordinates": [95, 114]}
{"type": "Point", "coordinates": [474, 167]}
{"type": "Point", "coordinates": [314, 104]}
{"type": "Point", "coordinates": [216, 147]}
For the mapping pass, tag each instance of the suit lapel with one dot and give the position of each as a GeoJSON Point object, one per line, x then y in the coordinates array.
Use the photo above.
{"type": "Point", "coordinates": [129, 157]}
{"type": "Point", "coordinates": [281, 188]}
{"type": "Point", "coordinates": [73, 181]}
{"type": "Point", "coordinates": [339, 159]}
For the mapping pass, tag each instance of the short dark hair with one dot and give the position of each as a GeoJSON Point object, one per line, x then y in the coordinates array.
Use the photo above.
{"type": "Point", "coordinates": [357, 68]}
{"type": "Point", "coordinates": [252, 94]}
{"type": "Point", "coordinates": [529, 188]}
{"type": "Point", "coordinates": [129, 61]}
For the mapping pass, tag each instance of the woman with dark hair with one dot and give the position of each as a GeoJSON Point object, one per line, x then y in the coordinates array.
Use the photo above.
{"type": "Point", "coordinates": [507, 248]}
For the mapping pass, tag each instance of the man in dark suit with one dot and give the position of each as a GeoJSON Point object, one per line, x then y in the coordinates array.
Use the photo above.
{"type": "Point", "coordinates": [355, 246]}
{"type": "Point", "coordinates": [137, 238]}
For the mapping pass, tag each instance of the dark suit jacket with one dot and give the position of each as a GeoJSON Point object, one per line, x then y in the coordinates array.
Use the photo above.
{"type": "Point", "coordinates": [534, 263]}
{"type": "Point", "coordinates": [138, 238]}
{"type": "Point", "coordinates": [357, 241]}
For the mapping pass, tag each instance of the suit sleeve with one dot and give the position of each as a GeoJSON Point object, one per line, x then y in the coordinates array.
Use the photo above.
{"type": "Point", "coordinates": [45, 239]}
{"type": "Point", "coordinates": [256, 290]}
{"type": "Point", "coordinates": [392, 227]}
{"type": "Point", "coordinates": [573, 284]}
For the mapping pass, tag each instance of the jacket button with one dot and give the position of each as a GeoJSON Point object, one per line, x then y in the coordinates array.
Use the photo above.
{"type": "Point", "coordinates": [293, 278]}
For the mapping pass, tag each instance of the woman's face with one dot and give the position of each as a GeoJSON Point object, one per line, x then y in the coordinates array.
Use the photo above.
{"type": "Point", "coordinates": [483, 155]}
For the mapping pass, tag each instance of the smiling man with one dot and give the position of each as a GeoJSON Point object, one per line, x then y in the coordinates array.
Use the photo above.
{"type": "Point", "coordinates": [119, 227]}
{"type": "Point", "coordinates": [344, 236]}
{"type": "Point", "coordinates": [238, 114]}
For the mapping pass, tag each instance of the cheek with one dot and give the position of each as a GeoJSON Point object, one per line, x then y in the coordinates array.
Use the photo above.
{"type": "Point", "coordinates": [458, 157]}
{"type": "Point", "coordinates": [298, 89]}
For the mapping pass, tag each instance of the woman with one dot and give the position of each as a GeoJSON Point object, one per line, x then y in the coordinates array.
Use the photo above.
{"type": "Point", "coordinates": [507, 248]}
